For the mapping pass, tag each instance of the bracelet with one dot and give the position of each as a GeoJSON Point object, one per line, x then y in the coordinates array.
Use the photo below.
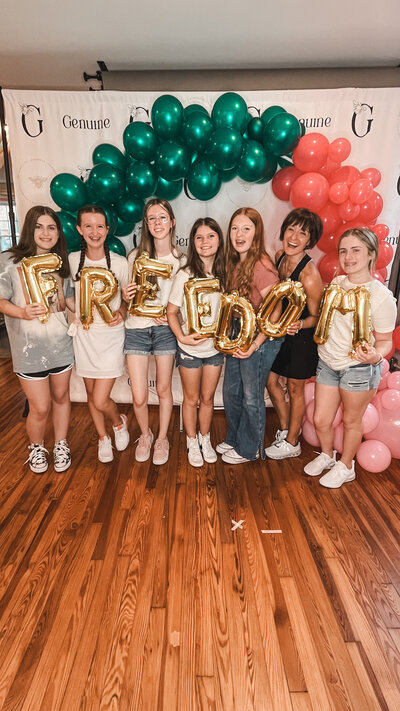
{"type": "Point", "coordinates": [380, 359]}
{"type": "Point", "coordinates": [301, 324]}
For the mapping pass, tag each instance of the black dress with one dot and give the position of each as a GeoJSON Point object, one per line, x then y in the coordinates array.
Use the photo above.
{"type": "Point", "coordinates": [298, 356]}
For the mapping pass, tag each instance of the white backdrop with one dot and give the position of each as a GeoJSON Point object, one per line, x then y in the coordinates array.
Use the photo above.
{"type": "Point", "coordinates": [55, 132]}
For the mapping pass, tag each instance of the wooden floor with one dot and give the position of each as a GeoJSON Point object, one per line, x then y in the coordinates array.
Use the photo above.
{"type": "Point", "coordinates": [123, 586]}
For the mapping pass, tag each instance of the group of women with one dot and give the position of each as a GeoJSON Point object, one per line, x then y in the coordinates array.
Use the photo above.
{"type": "Point", "coordinates": [43, 353]}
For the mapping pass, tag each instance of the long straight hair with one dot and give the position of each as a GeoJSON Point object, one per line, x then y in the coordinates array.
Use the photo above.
{"type": "Point", "coordinates": [27, 246]}
{"type": "Point", "coordinates": [194, 262]}
{"type": "Point", "coordinates": [147, 239]}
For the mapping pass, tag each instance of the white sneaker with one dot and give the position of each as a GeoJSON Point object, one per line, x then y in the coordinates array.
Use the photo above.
{"type": "Point", "coordinates": [121, 434]}
{"type": "Point", "coordinates": [338, 475]}
{"type": "Point", "coordinates": [105, 453]}
{"type": "Point", "coordinates": [282, 450]}
{"type": "Point", "coordinates": [279, 436]}
{"type": "Point", "coordinates": [317, 465]}
{"type": "Point", "coordinates": [62, 456]}
{"type": "Point", "coordinates": [233, 457]}
{"type": "Point", "coordinates": [223, 447]}
{"type": "Point", "coordinates": [208, 451]}
{"type": "Point", "coordinates": [194, 454]}
{"type": "Point", "coordinates": [37, 458]}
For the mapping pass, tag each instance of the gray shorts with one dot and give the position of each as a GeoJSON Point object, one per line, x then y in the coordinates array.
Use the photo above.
{"type": "Point", "coordinates": [184, 360]}
{"type": "Point", "coordinates": [359, 377]}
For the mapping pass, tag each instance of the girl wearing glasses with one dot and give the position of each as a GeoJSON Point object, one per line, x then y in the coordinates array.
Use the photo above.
{"type": "Point", "coordinates": [146, 336]}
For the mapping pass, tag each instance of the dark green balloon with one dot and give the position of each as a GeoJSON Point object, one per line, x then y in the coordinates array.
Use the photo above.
{"type": "Point", "coordinates": [106, 182]}
{"type": "Point", "coordinates": [194, 107]}
{"type": "Point", "coordinates": [224, 148]}
{"type": "Point", "coordinates": [71, 234]}
{"type": "Point", "coordinates": [284, 162]}
{"type": "Point", "coordinates": [270, 169]}
{"type": "Point", "coordinates": [228, 175]}
{"type": "Point", "coordinates": [252, 161]}
{"type": "Point", "coordinates": [141, 179]}
{"type": "Point", "coordinates": [255, 129]}
{"type": "Point", "coordinates": [129, 208]}
{"type": "Point", "coordinates": [230, 110]}
{"type": "Point", "coordinates": [124, 228]}
{"type": "Point", "coordinates": [270, 112]}
{"type": "Point", "coordinates": [204, 179]}
{"type": "Point", "coordinates": [107, 153]}
{"type": "Point", "coordinates": [68, 192]}
{"type": "Point", "coordinates": [172, 160]}
{"type": "Point", "coordinates": [168, 189]}
{"type": "Point", "coordinates": [302, 128]}
{"type": "Point", "coordinates": [140, 141]}
{"type": "Point", "coordinates": [281, 134]}
{"type": "Point", "coordinates": [167, 116]}
{"type": "Point", "coordinates": [196, 130]}
{"type": "Point", "coordinates": [115, 245]}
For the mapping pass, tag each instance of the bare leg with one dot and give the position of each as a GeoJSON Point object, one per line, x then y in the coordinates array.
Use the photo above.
{"type": "Point", "coordinates": [164, 368]}
{"type": "Point", "coordinates": [327, 400]}
{"type": "Point", "coordinates": [209, 382]}
{"type": "Point", "coordinates": [101, 405]}
{"type": "Point", "coordinates": [354, 406]}
{"type": "Point", "coordinates": [277, 396]}
{"type": "Point", "coordinates": [39, 398]}
{"type": "Point", "coordinates": [138, 369]}
{"type": "Point", "coordinates": [61, 404]}
{"type": "Point", "coordinates": [191, 381]}
{"type": "Point", "coordinates": [297, 407]}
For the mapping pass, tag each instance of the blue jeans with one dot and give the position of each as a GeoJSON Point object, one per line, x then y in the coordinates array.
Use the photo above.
{"type": "Point", "coordinates": [243, 393]}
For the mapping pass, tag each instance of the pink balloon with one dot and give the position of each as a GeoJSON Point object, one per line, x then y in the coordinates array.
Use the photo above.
{"type": "Point", "coordinates": [346, 174]}
{"type": "Point", "coordinates": [383, 382]}
{"type": "Point", "coordinates": [373, 175]}
{"type": "Point", "coordinates": [377, 275]}
{"type": "Point", "coordinates": [370, 419]}
{"type": "Point", "coordinates": [310, 190]}
{"type": "Point", "coordinates": [393, 381]}
{"type": "Point", "coordinates": [338, 438]}
{"type": "Point", "coordinates": [385, 369]}
{"type": "Point", "coordinates": [311, 152]}
{"type": "Point", "coordinates": [339, 149]}
{"type": "Point", "coordinates": [385, 255]}
{"type": "Point", "coordinates": [373, 456]}
{"type": "Point", "coordinates": [381, 231]}
{"type": "Point", "coordinates": [328, 168]}
{"type": "Point", "coordinates": [391, 400]}
{"type": "Point", "coordinates": [338, 193]}
{"type": "Point", "coordinates": [329, 267]}
{"type": "Point", "coordinates": [309, 433]}
{"type": "Point", "coordinates": [373, 207]}
{"type": "Point", "coordinates": [309, 392]}
{"type": "Point", "coordinates": [283, 180]}
{"type": "Point", "coordinates": [388, 429]}
{"type": "Point", "coordinates": [360, 191]}
{"type": "Point", "coordinates": [349, 211]}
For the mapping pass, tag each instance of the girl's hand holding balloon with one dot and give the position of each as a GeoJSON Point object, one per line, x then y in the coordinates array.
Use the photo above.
{"type": "Point", "coordinates": [129, 291]}
{"type": "Point", "coordinates": [294, 328]}
{"type": "Point", "coordinates": [32, 311]}
{"type": "Point", "coordinates": [192, 339]}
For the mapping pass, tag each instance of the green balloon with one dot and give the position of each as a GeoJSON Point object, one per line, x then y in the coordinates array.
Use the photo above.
{"type": "Point", "coordinates": [167, 116]}
{"type": "Point", "coordinates": [281, 134]}
{"type": "Point", "coordinates": [283, 162]}
{"type": "Point", "coordinates": [129, 208]}
{"type": "Point", "coordinates": [270, 169]}
{"type": "Point", "coordinates": [71, 234]}
{"type": "Point", "coordinates": [141, 179]}
{"type": "Point", "coordinates": [224, 148]}
{"type": "Point", "coordinates": [204, 179]}
{"type": "Point", "coordinates": [106, 182]}
{"type": "Point", "coordinates": [124, 228]}
{"type": "Point", "coordinates": [192, 108]}
{"type": "Point", "coordinates": [302, 128]}
{"type": "Point", "coordinates": [196, 130]}
{"type": "Point", "coordinates": [172, 160]}
{"type": "Point", "coordinates": [168, 189]}
{"type": "Point", "coordinates": [227, 175]}
{"type": "Point", "coordinates": [255, 129]}
{"type": "Point", "coordinates": [140, 141]}
{"type": "Point", "coordinates": [107, 153]}
{"type": "Point", "coordinates": [68, 192]}
{"type": "Point", "coordinates": [252, 162]}
{"type": "Point", "coordinates": [270, 112]}
{"type": "Point", "coordinates": [230, 110]}
{"type": "Point", "coordinates": [115, 245]}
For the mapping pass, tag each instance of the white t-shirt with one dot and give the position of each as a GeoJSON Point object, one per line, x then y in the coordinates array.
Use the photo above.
{"type": "Point", "coordinates": [335, 352]}
{"type": "Point", "coordinates": [205, 349]}
{"type": "Point", "coordinates": [163, 291]}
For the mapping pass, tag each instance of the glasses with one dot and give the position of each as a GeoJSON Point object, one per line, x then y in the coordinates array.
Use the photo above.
{"type": "Point", "coordinates": [160, 218]}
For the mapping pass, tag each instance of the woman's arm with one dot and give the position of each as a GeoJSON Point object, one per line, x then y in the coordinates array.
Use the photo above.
{"type": "Point", "coordinates": [312, 284]}
{"type": "Point", "coordinates": [192, 339]}
{"type": "Point", "coordinates": [28, 312]}
{"type": "Point", "coordinates": [375, 354]}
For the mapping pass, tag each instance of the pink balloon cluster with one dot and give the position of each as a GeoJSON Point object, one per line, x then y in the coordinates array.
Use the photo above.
{"type": "Point", "coordinates": [381, 424]}
{"type": "Point", "coordinates": [341, 195]}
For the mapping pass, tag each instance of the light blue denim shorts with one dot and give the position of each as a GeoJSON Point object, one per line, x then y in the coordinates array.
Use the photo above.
{"type": "Point", "coordinates": [155, 340]}
{"type": "Point", "coordinates": [363, 376]}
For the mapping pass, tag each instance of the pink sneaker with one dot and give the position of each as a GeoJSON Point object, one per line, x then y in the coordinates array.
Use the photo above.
{"type": "Point", "coordinates": [144, 446]}
{"type": "Point", "coordinates": [161, 451]}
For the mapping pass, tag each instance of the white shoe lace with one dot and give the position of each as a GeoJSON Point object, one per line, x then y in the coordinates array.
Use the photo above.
{"type": "Point", "coordinates": [61, 453]}
{"type": "Point", "coordinates": [37, 455]}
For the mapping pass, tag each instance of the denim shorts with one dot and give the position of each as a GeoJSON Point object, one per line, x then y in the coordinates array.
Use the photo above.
{"type": "Point", "coordinates": [156, 340]}
{"type": "Point", "coordinates": [190, 361]}
{"type": "Point", "coordinates": [363, 376]}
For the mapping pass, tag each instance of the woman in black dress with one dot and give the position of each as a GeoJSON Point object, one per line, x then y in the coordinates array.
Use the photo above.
{"type": "Point", "coordinates": [298, 357]}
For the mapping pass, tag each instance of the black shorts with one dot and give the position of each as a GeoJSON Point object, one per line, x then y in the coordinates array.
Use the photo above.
{"type": "Point", "coordinates": [43, 374]}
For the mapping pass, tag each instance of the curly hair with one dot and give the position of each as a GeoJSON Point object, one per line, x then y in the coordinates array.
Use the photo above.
{"type": "Point", "coordinates": [239, 275]}
{"type": "Point", "coordinates": [194, 263]}
{"type": "Point", "coordinates": [27, 247]}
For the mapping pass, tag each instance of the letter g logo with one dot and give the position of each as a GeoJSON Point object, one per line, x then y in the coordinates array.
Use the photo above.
{"type": "Point", "coordinates": [361, 121]}
{"type": "Point", "coordinates": [31, 123]}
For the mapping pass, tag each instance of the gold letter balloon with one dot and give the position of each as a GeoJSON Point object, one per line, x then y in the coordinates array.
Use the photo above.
{"type": "Point", "coordinates": [356, 300]}
{"type": "Point", "coordinates": [40, 287]}
{"type": "Point", "coordinates": [92, 296]}
{"type": "Point", "coordinates": [231, 303]}
{"type": "Point", "coordinates": [196, 309]}
{"type": "Point", "coordinates": [142, 269]}
{"type": "Point", "coordinates": [291, 290]}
